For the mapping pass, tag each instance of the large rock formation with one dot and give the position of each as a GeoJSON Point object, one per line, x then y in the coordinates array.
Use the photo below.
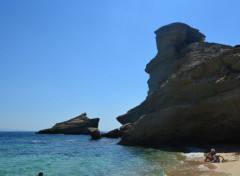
{"type": "Point", "coordinates": [78, 125]}
{"type": "Point", "coordinates": [194, 92]}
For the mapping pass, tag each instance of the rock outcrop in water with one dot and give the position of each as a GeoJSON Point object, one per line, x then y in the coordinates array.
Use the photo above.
{"type": "Point", "coordinates": [194, 92]}
{"type": "Point", "coordinates": [116, 133]}
{"type": "Point", "coordinates": [112, 134]}
{"type": "Point", "coordinates": [78, 125]}
{"type": "Point", "coordinates": [95, 133]}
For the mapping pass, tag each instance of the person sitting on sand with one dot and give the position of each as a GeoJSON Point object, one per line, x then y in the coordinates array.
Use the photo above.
{"type": "Point", "coordinates": [217, 159]}
{"type": "Point", "coordinates": [210, 156]}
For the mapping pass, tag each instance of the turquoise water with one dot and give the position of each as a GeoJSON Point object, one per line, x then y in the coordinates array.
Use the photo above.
{"type": "Point", "coordinates": [27, 154]}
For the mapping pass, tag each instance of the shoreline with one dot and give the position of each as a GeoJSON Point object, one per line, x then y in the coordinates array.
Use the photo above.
{"type": "Point", "coordinates": [229, 167]}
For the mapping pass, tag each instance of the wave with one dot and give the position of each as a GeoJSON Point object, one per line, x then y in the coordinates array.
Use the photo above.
{"type": "Point", "coordinates": [36, 141]}
{"type": "Point", "coordinates": [196, 154]}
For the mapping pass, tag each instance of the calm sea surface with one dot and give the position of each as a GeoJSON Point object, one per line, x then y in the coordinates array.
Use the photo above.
{"type": "Point", "coordinates": [27, 154]}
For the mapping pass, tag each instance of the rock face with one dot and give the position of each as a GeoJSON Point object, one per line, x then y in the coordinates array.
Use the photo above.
{"type": "Point", "coordinates": [125, 128]}
{"type": "Point", "coordinates": [194, 92]}
{"type": "Point", "coordinates": [77, 125]}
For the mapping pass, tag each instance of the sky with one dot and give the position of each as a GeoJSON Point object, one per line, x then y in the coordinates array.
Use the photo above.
{"type": "Point", "coordinates": [61, 58]}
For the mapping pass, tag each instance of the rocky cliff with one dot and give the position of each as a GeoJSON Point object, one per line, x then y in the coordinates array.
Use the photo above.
{"type": "Point", "coordinates": [78, 125]}
{"type": "Point", "coordinates": [194, 92]}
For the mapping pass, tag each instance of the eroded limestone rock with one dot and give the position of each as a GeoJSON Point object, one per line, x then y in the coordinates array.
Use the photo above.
{"type": "Point", "coordinates": [77, 125]}
{"type": "Point", "coordinates": [194, 92]}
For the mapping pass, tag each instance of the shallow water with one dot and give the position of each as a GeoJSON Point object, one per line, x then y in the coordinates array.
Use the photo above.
{"type": "Point", "coordinates": [25, 153]}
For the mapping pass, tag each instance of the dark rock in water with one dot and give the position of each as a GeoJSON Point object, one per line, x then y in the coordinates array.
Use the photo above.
{"type": "Point", "coordinates": [77, 125]}
{"type": "Point", "coordinates": [113, 134]}
{"type": "Point", "coordinates": [95, 133]}
{"type": "Point", "coordinates": [194, 92]}
{"type": "Point", "coordinates": [116, 133]}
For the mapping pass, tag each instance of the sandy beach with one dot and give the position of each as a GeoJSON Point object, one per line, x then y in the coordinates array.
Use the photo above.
{"type": "Point", "coordinates": [231, 164]}
{"type": "Point", "coordinates": [229, 167]}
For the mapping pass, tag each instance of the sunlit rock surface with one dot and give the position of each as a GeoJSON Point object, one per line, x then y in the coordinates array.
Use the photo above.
{"type": "Point", "coordinates": [194, 92]}
{"type": "Point", "coordinates": [77, 125]}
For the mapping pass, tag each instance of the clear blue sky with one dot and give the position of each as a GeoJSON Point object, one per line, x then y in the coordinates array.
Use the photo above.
{"type": "Point", "coordinates": [61, 58]}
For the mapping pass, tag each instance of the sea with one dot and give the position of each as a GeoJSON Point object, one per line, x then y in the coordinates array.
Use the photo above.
{"type": "Point", "coordinates": [27, 154]}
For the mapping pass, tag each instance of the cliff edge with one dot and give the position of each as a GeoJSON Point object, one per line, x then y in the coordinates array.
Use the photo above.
{"type": "Point", "coordinates": [194, 92]}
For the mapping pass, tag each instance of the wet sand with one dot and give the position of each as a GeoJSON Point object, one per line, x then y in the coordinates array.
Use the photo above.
{"type": "Point", "coordinates": [196, 169]}
{"type": "Point", "coordinates": [230, 166]}
{"type": "Point", "coordinates": [195, 166]}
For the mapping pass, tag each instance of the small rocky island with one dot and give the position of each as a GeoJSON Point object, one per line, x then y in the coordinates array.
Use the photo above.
{"type": "Point", "coordinates": [194, 92]}
{"type": "Point", "coordinates": [78, 125]}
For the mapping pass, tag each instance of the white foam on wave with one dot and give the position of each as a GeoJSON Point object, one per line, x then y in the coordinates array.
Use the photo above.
{"type": "Point", "coordinates": [194, 156]}
{"type": "Point", "coordinates": [35, 141]}
{"type": "Point", "coordinates": [70, 140]}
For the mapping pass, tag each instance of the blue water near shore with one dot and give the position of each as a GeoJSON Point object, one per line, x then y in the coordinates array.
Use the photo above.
{"type": "Point", "coordinates": [27, 154]}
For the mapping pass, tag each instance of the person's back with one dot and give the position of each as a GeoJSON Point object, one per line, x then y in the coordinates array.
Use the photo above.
{"type": "Point", "coordinates": [217, 158]}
